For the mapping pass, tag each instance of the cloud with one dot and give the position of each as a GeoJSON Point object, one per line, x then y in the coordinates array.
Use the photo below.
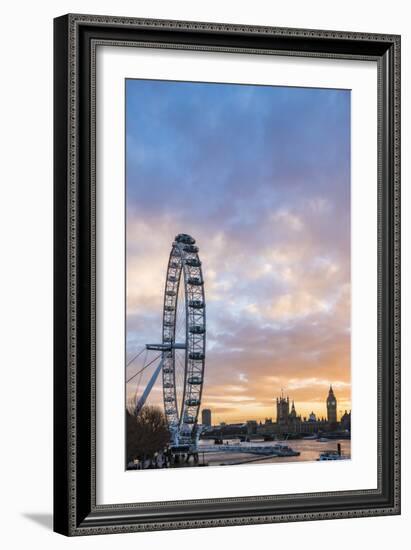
{"type": "Point", "coordinates": [260, 177]}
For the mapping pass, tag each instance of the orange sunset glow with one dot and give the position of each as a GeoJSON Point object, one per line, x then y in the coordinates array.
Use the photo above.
{"type": "Point", "coordinates": [260, 176]}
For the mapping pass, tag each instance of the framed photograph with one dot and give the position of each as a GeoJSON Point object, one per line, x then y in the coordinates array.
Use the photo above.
{"type": "Point", "coordinates": [227, 274]}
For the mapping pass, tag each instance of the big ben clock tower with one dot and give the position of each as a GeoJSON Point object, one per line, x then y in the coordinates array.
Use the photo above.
{"type": "Point", "coordinates": [331, 407]}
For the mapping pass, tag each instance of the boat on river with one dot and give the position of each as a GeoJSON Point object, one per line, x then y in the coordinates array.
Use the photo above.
{"type": "Point", "coordinates": [332, 455]}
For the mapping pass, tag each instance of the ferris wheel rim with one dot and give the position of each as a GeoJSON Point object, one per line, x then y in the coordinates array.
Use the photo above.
{"type": "Point", "coordinates": [184, 268]}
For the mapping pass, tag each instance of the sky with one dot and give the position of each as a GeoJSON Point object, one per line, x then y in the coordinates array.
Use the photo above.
{"type": "Point", "coordinates": [260, 177]}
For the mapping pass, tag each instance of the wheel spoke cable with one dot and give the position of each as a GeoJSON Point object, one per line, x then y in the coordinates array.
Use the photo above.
{"type": "Point", "coordinates": [135, 357]}
{"type": "Point", "coordinates": [144, 368]}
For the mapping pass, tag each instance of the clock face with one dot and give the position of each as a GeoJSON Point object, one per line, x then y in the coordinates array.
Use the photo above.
{"type": "Point", "coordinates": [332, 403]}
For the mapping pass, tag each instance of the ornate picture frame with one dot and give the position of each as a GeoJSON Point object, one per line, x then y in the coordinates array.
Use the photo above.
{"type": "Point", "coordinates": [76, 39]}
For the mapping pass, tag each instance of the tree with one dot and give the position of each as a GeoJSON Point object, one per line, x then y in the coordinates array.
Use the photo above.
{"type": "Point", "coordinates": [147, 433]}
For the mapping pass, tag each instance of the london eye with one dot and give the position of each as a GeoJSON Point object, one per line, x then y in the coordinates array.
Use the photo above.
{"type": "Point", "coordinates": [181, 356]}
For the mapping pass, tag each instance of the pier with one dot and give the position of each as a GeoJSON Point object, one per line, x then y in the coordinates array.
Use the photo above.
{"type": "Point", "coordinates": [273, 450]}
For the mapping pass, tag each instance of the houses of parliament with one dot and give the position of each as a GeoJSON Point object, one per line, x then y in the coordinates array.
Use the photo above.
{"type": "Point", "coordinates": [290, 422]}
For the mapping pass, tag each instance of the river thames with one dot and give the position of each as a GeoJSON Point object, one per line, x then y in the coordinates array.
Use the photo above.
{"type": "Point", "coordinates": [309, 450]}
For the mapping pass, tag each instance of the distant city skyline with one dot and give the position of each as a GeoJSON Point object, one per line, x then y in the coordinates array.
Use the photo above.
{"type": "Point", "coordinates": [260, 177]}
{"type": "Point", "coordinates": [321, 411]}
